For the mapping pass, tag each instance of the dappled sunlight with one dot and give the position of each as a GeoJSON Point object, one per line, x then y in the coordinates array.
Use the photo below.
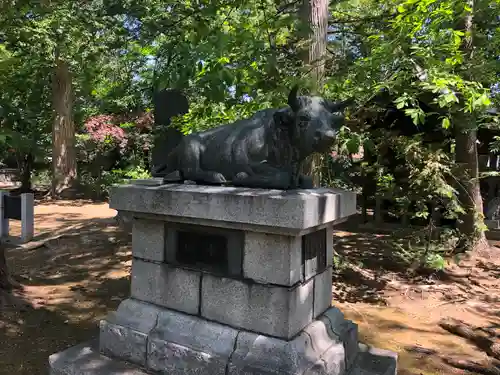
{"type": "Point", "coordinates": [420, 343]}
{"type": "Point", "coordinates": [402, 311]}
{"type": "Point", "coordinates": [52, 218]}
{"type": "Point", "coordinates": [74, 276]}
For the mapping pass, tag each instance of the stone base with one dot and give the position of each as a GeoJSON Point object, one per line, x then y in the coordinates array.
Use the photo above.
{"type": "Point", "coordinates": [85, 359]}
{"type": "Point", "coordinates": [152, 340]}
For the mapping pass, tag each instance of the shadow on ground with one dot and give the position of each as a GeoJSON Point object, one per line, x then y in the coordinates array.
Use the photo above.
{"type": "Point", "coordinates": [70, 282]}
{"type": "Point", "coordinates": [403, 311]}
{"type": "Point", "coordinates": [79, 271]}
{"type": "Point", "coordinates": [361, 264]}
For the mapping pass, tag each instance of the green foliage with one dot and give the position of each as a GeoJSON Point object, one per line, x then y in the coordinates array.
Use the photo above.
{"type": "Point", "coordinates": [233, 58]}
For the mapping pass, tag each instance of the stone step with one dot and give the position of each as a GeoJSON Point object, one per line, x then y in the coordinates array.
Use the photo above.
{"type": "Point", "coordinates": [85, 359]}
{"type": "Point", "coordinates": [374, 361]}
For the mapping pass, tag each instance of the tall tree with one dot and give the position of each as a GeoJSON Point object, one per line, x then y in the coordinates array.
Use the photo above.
{"type": "Point", "coordinates": [314, 19]}
{"type": "Point", "coordinates": [64, 167]}
{"type": "Point", "coordinates": [67, 40]}
{"type": "Point", "coordinates": [435, 53]}
{"type": "Point", "coordinates": [466, 150]}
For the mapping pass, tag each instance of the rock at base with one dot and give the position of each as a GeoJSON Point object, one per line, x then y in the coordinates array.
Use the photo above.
{"type": "Point", "coordinates": [85, 359]}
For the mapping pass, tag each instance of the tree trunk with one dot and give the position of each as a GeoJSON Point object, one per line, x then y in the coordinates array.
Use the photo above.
{"type": "Point", "coordinates": [314, 18]}
{"type": "Point", "coordinates": [26, 168]}
{"type": "Point", "coordinates": [469, 189]}
{"type": "Point", "coordinates": [64, 166]}
{"type": "Point", "coordinates": [466, 157]}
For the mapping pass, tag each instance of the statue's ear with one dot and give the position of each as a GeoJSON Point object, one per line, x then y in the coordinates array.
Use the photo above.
{"type": "Point", "coordinates": [283, 118]}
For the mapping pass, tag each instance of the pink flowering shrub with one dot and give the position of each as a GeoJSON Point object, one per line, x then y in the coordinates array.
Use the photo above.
{"type": "Point", "coordinates": [104, 132]}
{"type": "Point", "coordinates": [115, 141]}
{"type": "Point", "coordinates": [144, 120]}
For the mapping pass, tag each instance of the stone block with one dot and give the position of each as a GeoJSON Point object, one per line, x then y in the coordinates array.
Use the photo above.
{"type": "Point", "coordinates": [308, 353]}
{"type": "Point", "coordinates": [271, 310]}
{"type": "Point", "coordinates": [148, 239]}
{"type": "Point", "coordinates": [166, 286]}
{"type": "Point", "coordinates": [344, 330]}
{"type": "Point", "coordinates": [85, 359]}
{"type": "Point", "coordinates": [331, 362]}
{"type": "Point", "coordinates": [124, 333]}
{"type": "Point", "coordinates": [284, 211]}
{"type": "Point", "coordinates": [322, 292]}
{"type": "Point", "coordinates": [350, 340]}
{"type": "Point", "coordinates": [183, 344]}
{"type": "Point", "coordinates": [374, 361]}
{"type": "Point", "coordinates": [272, 258]}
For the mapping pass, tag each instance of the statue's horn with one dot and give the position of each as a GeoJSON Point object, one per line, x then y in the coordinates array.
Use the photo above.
{"type": "Point", "coordinates": [292, 98]}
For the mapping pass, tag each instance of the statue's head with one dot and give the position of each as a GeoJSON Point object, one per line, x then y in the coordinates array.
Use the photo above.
{"type": "Point", "coordinates": [312, 121]}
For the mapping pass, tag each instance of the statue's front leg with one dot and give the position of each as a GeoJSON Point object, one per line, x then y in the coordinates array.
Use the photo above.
{"type": "Point", "coordinates": [191, 169]}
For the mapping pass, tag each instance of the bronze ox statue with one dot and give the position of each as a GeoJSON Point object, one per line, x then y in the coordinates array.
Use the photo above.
{"type": "Point", "coordinates": [263, 151]}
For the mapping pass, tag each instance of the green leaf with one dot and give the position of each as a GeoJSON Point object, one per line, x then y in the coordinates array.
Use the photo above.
{"type": "Point", "coordinates": [446, 123]}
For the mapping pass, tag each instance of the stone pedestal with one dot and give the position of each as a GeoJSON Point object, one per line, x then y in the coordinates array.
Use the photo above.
{"type": "Point", "coordinates": [228, 281]}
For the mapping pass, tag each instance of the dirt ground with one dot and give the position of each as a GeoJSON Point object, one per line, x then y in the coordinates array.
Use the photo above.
{"type": "Point", "coordinates": [79, 270]}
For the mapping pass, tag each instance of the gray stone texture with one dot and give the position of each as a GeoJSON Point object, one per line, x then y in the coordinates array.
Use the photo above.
{"type": "Point", "coordinates": [344, 330]}
{"type": "Point", "coordinates": [293, 210]}
{"type": "Point", "coordinates": [167, 286]}
{"type": "Point", "coordinates": [329, 245]}
{"type": "Point", "coordinates": [85, 359]}
{"type": "Point", "coordinates": [148, 239]}
{"type": "Point", "coordinates": [373, 361]}
{"type": "Point", "coordinates": [312, 352]}
{"type": "Point", "coordinates": [272, 258]}
{"type": "Point", "coordinates": [183, 344]}
{"type": "Point", "coordinates": [322, 292]}
{"type": "Point", "coordinates": [124, 333]}
{"type": "Point", "coordinates": [271, 310]}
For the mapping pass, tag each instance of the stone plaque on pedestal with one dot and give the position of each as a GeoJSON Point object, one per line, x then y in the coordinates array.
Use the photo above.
{"type": "Point", "coordinates": [229, 281]}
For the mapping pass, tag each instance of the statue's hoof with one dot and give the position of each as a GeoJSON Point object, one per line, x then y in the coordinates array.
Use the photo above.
{"type": "Point", "coordinates": [219, 178]}
{"type": "Point", "coordinates": [174, 176]}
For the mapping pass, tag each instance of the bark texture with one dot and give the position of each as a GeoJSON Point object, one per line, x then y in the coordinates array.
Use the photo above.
{"type": "Point", "coordinates": [469, 189]}
{"type": "Point", "coordinates": [314, 17]}
{"type": "Point", "coordinates": [467, 158]}
{"type": "Point", "coordinates": [64, 165]}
